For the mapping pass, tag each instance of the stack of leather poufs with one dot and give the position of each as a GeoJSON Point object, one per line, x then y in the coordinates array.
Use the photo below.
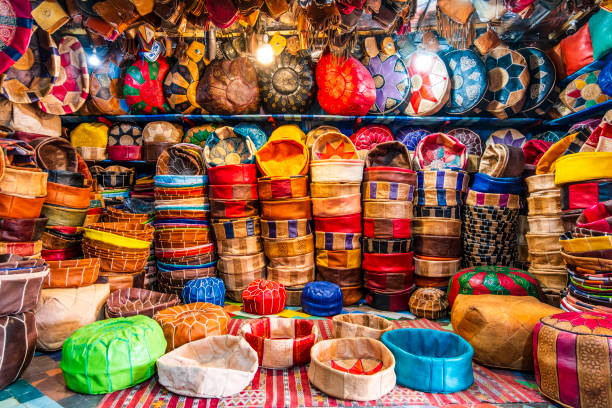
{"type": "Point", "coordinates": [587, 249]}
{"type": "Point", "coordinates": [70, 299]}
{"type": "Point", "coordinates": [388, 190]}
{"type": "Point", "coordinates": [441, 188]}
{"type": "Point", "coordinates": [68, 201]}
{"type": "Point", "coordinates": [286, 214]}
{"type": "Point", "coordinates": [20, 284]}
{"type": "Point", "coordinates": [234, 204]}
{"type": "Point", "coordinates": [157, 137]}
{"type": "Point", "coordinates": [336, 173]}
{"type": "Point", "coordinates": [123, 249]}
{"type": "Point", "coordinates": [545, 228]}
{"type": "Point", "coordinates": [490, 216]}
{"type": "Point", "coordinates": [114, 182]}
{"type": "Point", "coordinates": [23, 190]}
{"type": "Point", "coordinates": [184, 248]}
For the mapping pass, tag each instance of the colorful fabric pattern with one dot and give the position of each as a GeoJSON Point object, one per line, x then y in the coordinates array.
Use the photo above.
{"type": "Point", "coordinates": [583, 92]}
{"type": "Point", "coordinates": [468, 81]}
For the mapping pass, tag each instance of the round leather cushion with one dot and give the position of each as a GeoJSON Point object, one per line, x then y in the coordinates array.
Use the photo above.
{"type": "Point", "coordinates": [106, 89]}
{"type": "Point", "coordinates": [180, 87]}
{"type": "Point", "coordinates": [142, 86]}
{"type": "Point", "coordinates": [125, 134]}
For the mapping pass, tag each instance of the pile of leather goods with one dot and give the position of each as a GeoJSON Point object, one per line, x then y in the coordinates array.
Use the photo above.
{"type": "Point", "coordinates": [20, 284]}
{"type": "Point", "coordinates": [545, 229]}
{"type": "Point", "coordinates": [586, 250]}
{"type": "Point", "coordinates": [491, 212]}
{"type": "Point", "coordinates": [114, 182]}
{"type": "Point", "coordinates": [184, 247]}
{"type": "Point", "coordinates": [387, 193]}
{"type": "Point", "coordinates": [336, 173]}
{"type": "Point", "coordinates": [234, 202]}
{"type": "Point", "coordinates": [286, 214]}
{"type": "Point", "coordinates": [441, 188]}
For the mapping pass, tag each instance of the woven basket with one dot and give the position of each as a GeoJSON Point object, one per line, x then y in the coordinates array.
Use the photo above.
{"type": "Point", "coordinates": [544, 204]}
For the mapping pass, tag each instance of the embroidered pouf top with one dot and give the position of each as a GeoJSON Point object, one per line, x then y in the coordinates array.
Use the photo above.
{"type": "Point", "coordinates": [430, 360]}
{"type": "Point", "coordinates": [209, 290]}
{"type": "Point", "coordinates": [410, 137]}
{"type": "Point", "coordinates": [508, 81]}
{"type": "Point", "coordinates": [468, 81]}
{"type": "Point", "coordinates": [430, 84]}
{"type": "Point", "coordinates": [322, 299]}
{"type": "Point", "coordinates": [281, 343]}
{"type": "Point", "coordinates": [264, 297]}
{"type": "Point", "coordinates": [470, 139]}
{"type": "Point", "coordinates": [225, 147]}
{"type": "Point", "coordinates": [429, 303]}
{"type": "Point", "coordinates": [495, 280]}
{"type": "Point", "coordinates": [71, 88]}
{"type": "Point", "coordinates": [583, 92]}
{"type": "Point", "coordinates": [573, 358]}
{"type": "Point", "coordinates": [391, 80]}
{"type": "Point", "coordinates": [511, 137]}
{"type": "Point", "coordinates": [345, 86]}
{"type": "Point", "coordinates": [142, 86]}
{"type": "Point", "coordinates": [16, 18]}
{"type": "Point", "coordinates": [369, 136]}
{"type": "Point", "coordinates": [111, 355]}
{"type": "Point", "coordinates": [440, 151]}
{"type": "Point", "coordinates": [542, 93]}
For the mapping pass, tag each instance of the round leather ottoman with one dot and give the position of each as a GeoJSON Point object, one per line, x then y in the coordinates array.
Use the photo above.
{"type": "Point", "coordinates": [571, 354]}
{"type": "Point", "coordinates": [429, 303]}
{"type": "Point", "coordinates": [208, 290]}
{"type": "Point", "coordinates": [264, 297]}
{"type": "Point", "coordinates": [18, 340]}
{"type": "Point", "coordinates": [184, 323]}
{"type": "Point", "coordinates": [322, 299]}
{"type": "Point", "coordinates": [112, 354]}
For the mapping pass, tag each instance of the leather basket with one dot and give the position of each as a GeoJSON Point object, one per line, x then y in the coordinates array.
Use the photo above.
{"type": "Point", "coordinates": [152, 150]}
{"type": "Point", "coordinates": [20, 284]}
{"type": "Point", "coordinates": [72, 273]}
{"type": "Point", "coordinates": [18, 336]}
{"type": "Point", "coordinates": [337, 240]}
{"type": "Point", "coordinates": [443, 180]}
{"type": "Point", "coordinates": [383, 190]}
{"type": "Point", "coordinates": [24, 182]}
{"type": "Point", "coordinates": [143, 232]}
{"type": "Point", "coordinates": [275, 248]}
{"type": "Point", "coordinates": [390, 174]}
{"type": "Point", "coordinates": [395, 281]}
{"type": "Point", "coordinates": [550, 278]}
{"type": "Point", "coordinates": [18, 206]}
{"type": "Point", "coordinates": [436, 226]}
{"type": "Point", "coordinates": [233, 174]}
{"type": "Point", "coordinates": [299, 261]}
{"type": "Point", "coordinates": [439, 197]}
{"type": "Point", "coordinates": [239, 246]}
{"type": "Point", "coordinates": [391, 263]}
{"type": "Point", "coordinates": [282, 188]}
{"type": "Point", "coordinates": [92, 153]}
{"type": "Point", "coordinates": [545, 258]}
{"type": "Point", "coordinates": [544, 204]}
{"type": "Point", "coordinates": [385, 246]}
{"type": "Point", "coordinates": [336, 206]}
{"type": "Point", "coordinates": [296, 208]}
{"type": "Point", "coordinates": [234, 208]}
{"type": "Point", "coordinates": [135, 301]}
{"type": "Point", "coordinates": [124, 153]}
{"type": "Point", "coordinates": [292, 276]}
{"type": "Point", "coordinates": [437, 246]}
{"type": "Point", "coordinates": [336, 171]}
{"type": "Point", "coordinates": [476, 198]}
{"type": "Point", "coordinates": [386, 228]}
{"type": "Point", "coordinates": [234, 192]}
{"type": "Point", "coordinates": [22, 229]}
{"type": "Point", "coordinates": [122, 280]}
{"type": "Point", "coordinates": [546, 225]}
{"type": "Point", "coordinates": [343, 277]}
{"type": "Point", "coordinates": [541, 183]}
{"type": "Point", "coordinates": [345, 223]}
{"type": "Point", "coordinates": [348, 259]}
{"type": "Point", "coordinates": [67, 178]}
{"type": "Point", "coordinates": [67, 196]}
{"type": "Point", "coordinates": [234, 265]}
{"type": "Point", "coordinates": [543, 242]}
{"type": "Point", "coordinates": [436, 267]}
{"type": "Point", "coordinates": [238, 228]}
{"type": "Point", "coordinates": [330, 189]}
{"type": "Point", "coordinates": [387, 209]}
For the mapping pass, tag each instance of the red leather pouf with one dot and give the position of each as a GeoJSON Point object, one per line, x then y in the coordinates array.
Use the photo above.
{"type": "Point", "coordinates": [264, 297]}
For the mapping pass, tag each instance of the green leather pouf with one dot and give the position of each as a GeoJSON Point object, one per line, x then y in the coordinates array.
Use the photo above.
{"type": "Point", "coordinates": [113, 354]}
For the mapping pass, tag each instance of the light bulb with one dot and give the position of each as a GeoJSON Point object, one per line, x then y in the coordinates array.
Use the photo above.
{"type": "Point", "coordinates": [265, 54]}
{"type": "Point", "coordinates": [93, 60]}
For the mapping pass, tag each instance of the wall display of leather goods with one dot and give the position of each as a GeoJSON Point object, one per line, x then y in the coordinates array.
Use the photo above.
{"type": "Point", "coordinates": [164, 160]}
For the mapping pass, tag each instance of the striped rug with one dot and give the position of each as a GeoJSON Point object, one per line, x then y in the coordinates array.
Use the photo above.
{"type": "Point", "coordinates": [291, 388]}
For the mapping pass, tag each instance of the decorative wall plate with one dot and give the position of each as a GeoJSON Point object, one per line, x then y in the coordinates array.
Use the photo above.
{"type": "Point", "coordinates": [70, 90]}
{"type": "Point", "coordinates": [583, 92]}
{"type": "Point", "coordinates": [392, 83]}
{"type": "Point", "coordinates": [468, 81]}
{"type": "Point", "coordinates": [508, 80]}
{"type": "Point", "coordinates": [430, 84]}
{"type": "Point", "coordinates": [542, 92]}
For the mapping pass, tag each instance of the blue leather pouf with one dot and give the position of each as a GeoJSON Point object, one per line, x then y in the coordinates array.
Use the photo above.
{"type": "Point", "coordinates": [322, 299]}
{"type": "Point", "coordinates": [605, 79]}
{"type": "Point", "coordinates": [498, 185]}
{"type": "Point", "coordinates": [430, 360]}
{"type": "Point", "coordinates": [209, 290]}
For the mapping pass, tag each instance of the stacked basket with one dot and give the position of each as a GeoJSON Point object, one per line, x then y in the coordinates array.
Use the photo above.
{"type": "Point", "coordinates": [286, 214]}
{"type": "Point", "coordinates": [441, 188]}
{"type": "Point", "coordinates": [545, 228]}
{"type": "Point", "coordinates": [183, 242]}
{"type": "Point", "coordinates": [490, 216]}
{"type": "Point", "coordinates": [115, 182]}
{"type": "Point", "coordinates": [388, 190]}
{"type": "Point", "coordinates": [235, 209]}
{"type": "Point", "coordinates": [336, 174]}
{"type": "Point", "coordinates": [23, 190]}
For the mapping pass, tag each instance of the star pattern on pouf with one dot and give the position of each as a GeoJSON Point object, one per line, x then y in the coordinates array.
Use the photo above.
{"type": "Point", "coordinates": [332, 152]}
{"type": "Point", "coordinates": [392, 82]}
{"type": "Point", "coordinates": [514, 70]}
{"type": "Point", "coordinates": [428, 78]}
{"type": "Point", "coordinates": [357, 368]}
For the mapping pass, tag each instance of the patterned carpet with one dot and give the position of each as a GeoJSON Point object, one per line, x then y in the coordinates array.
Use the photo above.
{"type": "Point", "coordinates": [43, 386]}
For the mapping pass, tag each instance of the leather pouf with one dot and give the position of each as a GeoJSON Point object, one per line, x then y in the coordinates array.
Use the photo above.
{"type": "Point", "coordinates": [430, 84]}
{"type": "Point", "coordinates": [111, 355]}
{"type": "Point", "coordinates": [494, 280]}
{"type": "Point", "coordinates": [583, 92]}
{"type": "Point", "coordinates": [182, 81]}
{"type": "Point", "coordinates": [429, 303]}
{"type": "Point", "coordinates": [508, 82]}
{"type": "Point", "coordinates": [281, 343]}
{"type": "Point", "coordinates": [106, 89]}
{"type": "Point", "coordinates": [287, 84]}
{"type": "Point", "coordinates": [62, 311]}
{"type": "Point", "coordinates": [392, 83]}
{"type": "Point", "coordinates": [345, 86]}
{"type": "Point", "coordinates": [572, 358]}
{"type": "Point", "coordinates": [134, 301]}
{"type": "Point", "coordinates": [142, 86]}
{"type": "Point", "coordinates": [229, 87]}
{"type": "Point", "coordinates": [322, 299]}
{"type": "Point", "coordinates": [208, 290]}
{"type": "Point", "coordinates": [18, 340]}
{"type": "Point", "coordinates": [542, 92]}
{"type": "Point", "coordinates": [264, 297]}
{"type": "Point", "coordinates": [468, 81]}
{"type": "Point", "coordinates": [70, 90]}
{"type": "Point", "coordinates": [184, 323]}
{"type": "Point", "coordinates": [16, 31]}
{"type": "Point", "coordinates": [499, 328]}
